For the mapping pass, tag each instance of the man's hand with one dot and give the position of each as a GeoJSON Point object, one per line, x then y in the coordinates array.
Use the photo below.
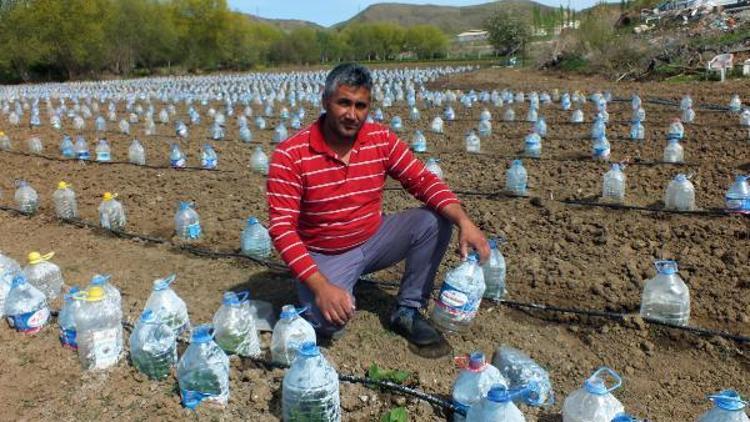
{"type": "Point", "coordinates": [335, 303]}
{"type": "Point", "coordinates": [469, 236]}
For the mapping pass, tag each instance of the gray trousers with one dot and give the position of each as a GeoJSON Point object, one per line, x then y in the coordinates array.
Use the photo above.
{"type": "Point", "coordinates": [419, 235]}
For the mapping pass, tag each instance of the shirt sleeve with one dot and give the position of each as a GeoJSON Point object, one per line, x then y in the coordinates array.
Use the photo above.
{"type": "Point", "coordinates": [415, 178]}
{"type": "Point", "coordinates": [284, 194]}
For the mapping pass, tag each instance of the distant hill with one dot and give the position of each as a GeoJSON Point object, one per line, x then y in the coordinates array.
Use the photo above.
{"type": "Point", "coordinates": [286, 25]}
{"type": "Point", "coordinates": [451, 19]}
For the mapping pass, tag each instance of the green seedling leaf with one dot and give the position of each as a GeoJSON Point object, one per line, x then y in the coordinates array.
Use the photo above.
{"type": "Point", "coordinates": [395, 415]}
{"type": "Point", "coordinates": [394, 376]}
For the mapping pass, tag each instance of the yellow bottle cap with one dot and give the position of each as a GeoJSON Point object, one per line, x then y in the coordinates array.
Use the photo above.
{"type": "Point", "coordinates": [95, 294]}
{"type": "Point", "coordinates": [36, 257]}
{"type": "Point", "coordinates": [108, 196]}
{"type": "Point", "coordinates": [63, 185]}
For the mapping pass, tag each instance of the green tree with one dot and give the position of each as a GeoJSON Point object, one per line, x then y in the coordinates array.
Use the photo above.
{"type": "Point", "coordinates": [426, 41]}
{"type": "Point", "coordinates": [507, 33]}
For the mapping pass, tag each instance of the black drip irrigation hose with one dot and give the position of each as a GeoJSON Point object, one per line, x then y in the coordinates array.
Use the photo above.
{"type": "Point", "coordinates": [710, 212]}
{"type": "Point", "coordinates": [107, 163]}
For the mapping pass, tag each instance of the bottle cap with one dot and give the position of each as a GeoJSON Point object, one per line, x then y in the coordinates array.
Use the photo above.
{"type": "Point", "coordinates": [666, 267]}
{"type": "Point", "coordinates": [100, 279]}
{"type": "Point", "coordinates": [309, 349]}
{"type": "Point", "coordinates": [63, 185]}
{"type": "Point", "coordinates": [472, 257]}
{"type": "Point", "coordinates": [108, 196]}
{"type": "Point", "coordinates": [18, 280]}
{"type": "Point", "coordinates": [202, 334]}
{"type": "Point", "coordinates": [36, 257]}
{"type": "Point", "coordinates": [728, 400]}
{"type": "Point", "coordinates": [476, 361]}
{"type": "Point", "coordinates": [95, 294]}
{"type": "Point", "coordinates": [680, 178]}
{"type": "Point", "coordinates": [492, 243]}
{"type": "Point", "coordinates": [252, 220]}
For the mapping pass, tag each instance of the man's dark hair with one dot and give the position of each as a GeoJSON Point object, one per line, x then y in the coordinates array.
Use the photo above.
{"type": "Point", "coordinates": [349, 74]}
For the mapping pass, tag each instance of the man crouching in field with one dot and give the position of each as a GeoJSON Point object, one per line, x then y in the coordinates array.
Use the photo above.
{"type": "Point", "coordinates": [325, 192]}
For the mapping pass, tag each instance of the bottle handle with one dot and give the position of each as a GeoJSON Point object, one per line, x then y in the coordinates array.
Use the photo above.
{"type": "Point", "coordinates": [243, 296]}
{"type": "Point", "coordinates": [165, 282]}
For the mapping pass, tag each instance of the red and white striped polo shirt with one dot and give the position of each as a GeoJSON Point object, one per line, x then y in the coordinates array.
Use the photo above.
{"type": "Point", "coordinates": [318, 203]}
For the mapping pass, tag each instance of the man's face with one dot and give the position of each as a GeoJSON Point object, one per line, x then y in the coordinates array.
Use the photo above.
{"type": "Point", "coordinates": [346, 110]}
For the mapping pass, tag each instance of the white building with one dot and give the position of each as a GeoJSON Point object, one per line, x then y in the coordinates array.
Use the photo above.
{"type": "Point", "coordinates": [472, 35]}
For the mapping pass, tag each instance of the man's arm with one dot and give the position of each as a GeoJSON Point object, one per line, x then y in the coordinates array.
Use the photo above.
{"type": "Point", "coordinates": [428, 188]}
{"type": "Point", "coordinates": [284, 193]}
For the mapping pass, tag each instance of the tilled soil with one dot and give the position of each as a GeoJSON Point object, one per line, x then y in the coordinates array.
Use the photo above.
{"type": "Point", "coordinates": [573, 256]}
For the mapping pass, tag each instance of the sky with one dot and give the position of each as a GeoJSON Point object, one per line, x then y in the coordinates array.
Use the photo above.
{"type": "Point", "coordinates": [330, 12]}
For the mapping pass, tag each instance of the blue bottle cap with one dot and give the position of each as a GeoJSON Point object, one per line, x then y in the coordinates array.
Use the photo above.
{"type": "Point", "coordinates": [71, 292]}
{"type": "Point", "coordinates": [666, 266]}
{"type": "Point", "coordinates": [680, 178]}
{"type": "Point", "coordinates": [473, 257]}
{"type": "Point", "coordinates": [100, 279]}
{"type": "Point", "coordinates": [499, 394]}
{"type": "Point", "coordinates": [616, 167]}
{"type": "Point", "coordinates": [728, 400]}
{"type": "Point", "coordinates": [202, 334]}
{"type": "Point", "coordinates": [492, 243]}
{"type": "Point", "coordinates": [517, 162]}
{"type": "Point", "coordinates": [623, 417]}
{"type": "Point", "coordinates": [183, 205]}
{"type": "Point", "coordinates": [309, 349]}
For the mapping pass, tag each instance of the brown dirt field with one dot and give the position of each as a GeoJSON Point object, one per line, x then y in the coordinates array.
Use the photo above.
{"type": "Point", "coordinates": [571, 256]}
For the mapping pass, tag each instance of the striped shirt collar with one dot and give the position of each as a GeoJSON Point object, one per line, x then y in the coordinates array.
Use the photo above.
{"type": "Point", "coordinates": [318, 142]}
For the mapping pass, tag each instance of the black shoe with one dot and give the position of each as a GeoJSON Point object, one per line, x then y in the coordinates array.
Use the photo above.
{"type": "Point", "coordinates": [409, 323]}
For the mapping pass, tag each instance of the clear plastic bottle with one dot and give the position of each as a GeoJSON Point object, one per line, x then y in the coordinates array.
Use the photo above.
{"type": "Point", "coordinates": [217, 132]}
{"type": "Point", "coordinates": [637, 131]}
{"type": "Point", "coordinates": [474, 381]}
{"type": "Point", "coordinates": [203, 370]}
{"type": "Point", "coordinates": [686, 102]}
{"type": "Point", "coordinates": [112, 293]}
{"type": "Point", "coordinates": [509, 115]}
{"type": "Point", "coordinates": [167, 306]}
{"type": "Point", "coordinates": [540, 126]}
{"type": "Point", "coordinates": [532, 115]}
{"type": "Point", "coordinates": [676, 129]}
{"type": "Point", "coordinates": [164, 116]}
{"type": "Point", "coordinates": [246, 135]}
{"type": "Point", "coordinates": [5, 143]}
{"type": "Point", "coordinates": [437, 125]}
{"type": "Point", "coordinates": [496, 406]}
{"type": "Point", "coordinates": [738, 195]}
{"type": "Point", "coordinates": [745, 117]}
{"type": "Point", "coordinates": [187, 223]}
{"type": "Point", "coordinates": [66, 319]}
{"type": "Point", "coordinates": [35, 146]}
{"type": "Point", "coordinates": [26, 197]}
{"type": "Point", "coordinates": [25, 306]}
{"type": "Point", "coordinates": [396, 124]}
{"type": "Point", "coordinates": [66, 147]}
{"type": "Point", "coordinates": [735, 104]}
{"type": "Point", "coordinates": [255, 242]}
{"type": "Point", "coordinates": [485, 115]}
{"type": "Point", "coordinates": [419, 143]}
{"type": "Point", "coordinates": [111, 212]}
{"type": "Point", "coordinates": [532, 145]}
{"type": "Point", "coordinates": [136, 153]}
{"type": "Point", "coordinates": [688, 115]}
{"type": "Point", "coordinates": [181, 129]}
{"type": "Point", "coordinates": [666, 297]}
{"type": "Point", "coordinates": [460, 296]}
{"type": "Point", "coordinates": [44, 275]}
{"type": "Point", "coordinates": [65, 201]}
{"type": "Point", "coordinates": [614, 185]}
{"type": "Point", "coordinates": [414, 114]}
{"type": "Point", "coordinates": [449, 115]}
{"type": "Point", "coordinates": [680, 194]}
{"type": "Point", "coordinates": [260, 123]}
{"type": "Point", "coordinates": [81, 148]}
{"type": "Point", "coordinates": [516, 179]}
{"type": "Point", "coordinates": [234, 326]}
{"type": "Point", "coordinates": [594, 402]}
{"type": "Point", "coordinates": [310, 390]}
{"type": "Point", "coordinates": [728, 407]}
{"type": "Point", "coordinates": [9, 268]}
{"type": "Point", "coordinates": [494, 272]}
{"type": "Point", "coordinates": [153, 346]}
{"type": "Point", "coordinates": [289, 333]}
{"type": "Point", "coordinates": [259, 161]}
{"type": "Point", "coordinates": [576, 116]}
{"type": "Point", "coordinates": [484, 129]}
{"type": "Point", "coordinates": [103, 152]}
{"type": "Point", "coordinates": [673, 152]}
{"type": "Point", "coordinates": [176, 158]}
{"type": "Point", "coordinates": [522, 371]}
{"type": "Point", "coordinates": [433, 167]}
{"type": "Point", "coordinates": [98, 329]}
{"type": "Point", "coordinates": [124, 127]}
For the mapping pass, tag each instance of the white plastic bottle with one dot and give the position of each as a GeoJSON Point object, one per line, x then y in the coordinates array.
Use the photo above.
{"type": "Point", "coordinates": [111, 212]}
{"type": "Point", "coordinates": [65, 201]}
{"type": "Point", "coordinates": [680, 194]}
{"type": "Point", "coordinates": [666, 297]}
{"type": "Point", "coordinates": [98, 329]}
{"type": "Point", "coordinates": [234, 326]}
{"type": "Point", "coordinates": [289, 333]}
{"type": "Point", "coordinates": [614, 185]}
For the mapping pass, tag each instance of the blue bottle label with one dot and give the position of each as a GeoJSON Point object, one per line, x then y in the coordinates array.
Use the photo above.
{"type": "Point", "coordinates": [209, 163]}
{"type": "Point", "coordinates": [68, 339]}
{"type": "Point", "coordinates": [178, 163]}
{"type": "Point", "coordinates": [102, 156]}
{"type": "Point", "coordinates": [193, 231]}
{"type": "Point", "coordinates": [29, 322]}
{"type": "Point", "coordinates": [191, 399]}
{"type": "Point", "coordinates": [83, 155]}
{"type": "Point", "coordinates": [457, 303]}
{"type": "Point", "coordinates": [738, 204]}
